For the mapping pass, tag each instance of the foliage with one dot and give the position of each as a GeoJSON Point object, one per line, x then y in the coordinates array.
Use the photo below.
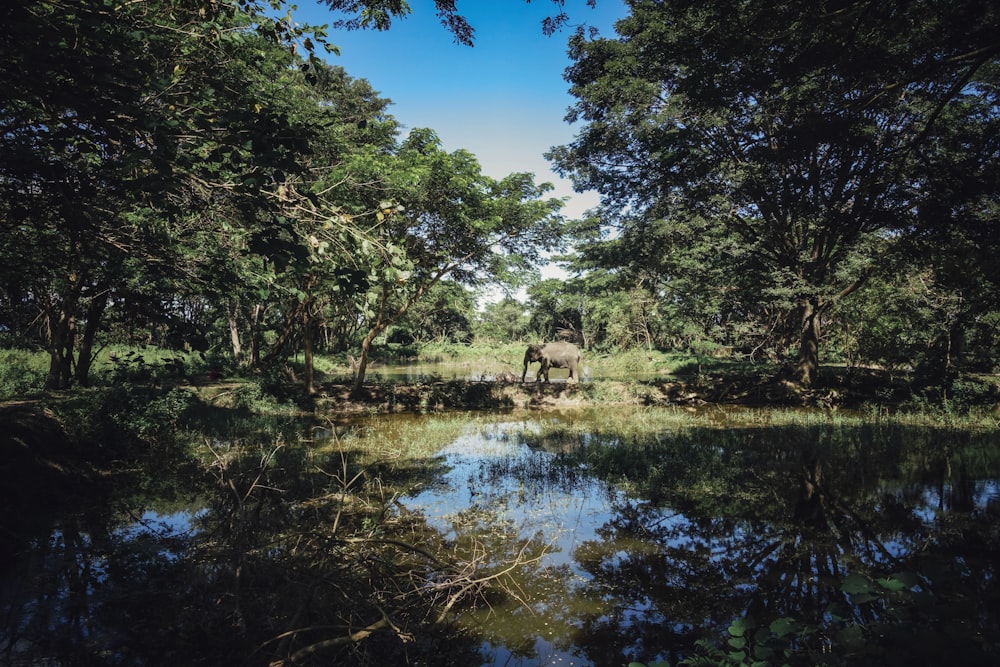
{"type": "Point", "coordinates": [208, 185]}
{"type": "Point", "coordinates": [555, 312]}
{"type": "Point", "coordinates": [503, 320]}
{"type": "Point", "coordinates": [211, 186]}
{"type": "Point", "coordinates": [19, 377]}
{"type": "Point", "coordinates": [712, 116]}
{"type": "Point", "coordinates": [457, 223]}
{"type": "Point", "coordinates": [445, 314]}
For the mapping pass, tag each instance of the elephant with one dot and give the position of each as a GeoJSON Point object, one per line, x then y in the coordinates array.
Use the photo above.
{"type": "Point", "coordinates": [552, 355]}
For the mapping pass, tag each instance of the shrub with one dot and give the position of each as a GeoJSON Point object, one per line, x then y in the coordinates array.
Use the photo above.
{"type": "Point", "coordinates": [19, 377]}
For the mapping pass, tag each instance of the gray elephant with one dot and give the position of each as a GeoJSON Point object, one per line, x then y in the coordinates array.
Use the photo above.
{"type": "Point", "coordinates": [552, 355]}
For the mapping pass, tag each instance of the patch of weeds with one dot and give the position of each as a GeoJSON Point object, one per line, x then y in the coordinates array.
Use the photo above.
{"type": "Point", "coordinates": [250, 396]}
{"type": "Point", "coordinates": [611, 392]}
{"type": "Point", "coordinates": [127, 421]}
{"type": "Point", "coordinates": [19, 376]}
{"type": "Point", "coordinates": [965, 401]}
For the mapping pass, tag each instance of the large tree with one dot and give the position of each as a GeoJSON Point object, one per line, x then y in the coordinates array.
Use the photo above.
{"type": "Point", "coordinates": [121, 122]}
{"type": "Point", "coordinates": [807, 130]}
{"type": "Point", "coordinates": [443, 218]}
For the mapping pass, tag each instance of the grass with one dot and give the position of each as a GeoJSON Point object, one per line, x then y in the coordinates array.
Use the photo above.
{"type": "Point", "coordinates": [635, 377]}
{"type": "Point", "coordinates": [391, 437]}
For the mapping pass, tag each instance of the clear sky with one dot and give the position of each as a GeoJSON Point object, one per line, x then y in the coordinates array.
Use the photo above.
{"type": "Point", "coordinates": [503, 99]}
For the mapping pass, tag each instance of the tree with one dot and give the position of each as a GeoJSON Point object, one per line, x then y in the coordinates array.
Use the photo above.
{"type": "Point", "coordinates": [201, 161]}
{"type": "Point", "coordinates": [803, 129]}
{"type": "Point", "coordinates": [555, 313]}
{"type": "Point", "coordinates": [503, 320]}
{"type": "Point", "coordinates": [122, 122]}
{"type": "Point", "coordinates": [311, 249]}
{"type": "Point", "coordinates": [445, 314]}
{"type": "Point", "coordinates": [444, 218]}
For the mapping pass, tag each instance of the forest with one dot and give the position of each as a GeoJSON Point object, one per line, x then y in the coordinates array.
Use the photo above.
{"type": "Point", "coordinates": [780, 446]}
{"type": "Point", "coordinates": [810, 183]}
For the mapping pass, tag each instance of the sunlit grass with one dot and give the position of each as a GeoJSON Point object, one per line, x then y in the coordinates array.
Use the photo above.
{"type": "Point", "coordinates": [633, 421]}
{"type": "Point", "coordinates": [392, 437]}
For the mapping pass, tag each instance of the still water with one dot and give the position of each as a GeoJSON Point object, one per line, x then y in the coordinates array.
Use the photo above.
{"type": "Point", "coordinates": [657, 539]}
{"type": "Point", "coordinates": [584, 538]}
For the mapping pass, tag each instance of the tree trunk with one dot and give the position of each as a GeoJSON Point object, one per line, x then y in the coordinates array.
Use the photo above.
{"type": "Point", "coordinates": [382, 321]}
{"type": "Point", "coordinates": [234, 334]}
{"type": "Point", "coordinates": [809, 333]}
{"type": "Point", "coordinates": [307, 347]}
{"type": "Point", "coordinates": [254, 361]}
{"type": "Point", "coordinates": [362, 363]}
{"type": "Point", "coordinates": [85, 357]}
{"type": "Point", "coordinates": [287, 331]}
{"type": "Point", "coordinates": [62, 331]}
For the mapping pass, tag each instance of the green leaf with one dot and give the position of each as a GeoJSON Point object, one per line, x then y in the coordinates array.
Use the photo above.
{"type": "Point", "coordinates": [783, 626]}
{"type": "Point", "coordinates": [852, 637]}
{"type": "Point", "coordinates": [855, 584]}
{"type": "Point", "coordinates": [741, 626]}
{"type": "Point", "coordinates": [892, 584]}
{"type": "Point", "coordinates": [738, 642]}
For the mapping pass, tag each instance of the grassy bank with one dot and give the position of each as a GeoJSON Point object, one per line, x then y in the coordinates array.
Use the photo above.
{"type": "Point", "coordinates": [488, 377]}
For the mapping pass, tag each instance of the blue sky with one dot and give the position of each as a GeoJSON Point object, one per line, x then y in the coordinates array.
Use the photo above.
{"type": "Point", "coordinates": [503, 99]}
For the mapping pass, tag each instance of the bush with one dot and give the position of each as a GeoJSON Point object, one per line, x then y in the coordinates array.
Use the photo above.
{"type": "Point", "coordinates": [19, 377]}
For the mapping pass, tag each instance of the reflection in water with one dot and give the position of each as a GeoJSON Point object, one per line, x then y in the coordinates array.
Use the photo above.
{"type": "Point", "coordinates": [592, 543]}
{"type": "Point", "coordinates": [495, 479]}
{"type": "Point", "coordinates": [662, 541]}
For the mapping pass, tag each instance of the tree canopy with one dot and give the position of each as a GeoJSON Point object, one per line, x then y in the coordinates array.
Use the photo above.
{"type": "Point", "coordinates": [811, 138]}
{"type": "Point", "coordinates": [193, 174]}
{"type": "Point", "coordinates": [191, 166]}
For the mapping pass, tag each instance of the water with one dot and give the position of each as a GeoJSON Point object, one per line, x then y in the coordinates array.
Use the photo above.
{"type": "Point", "coordinates": [640, 535]}
{"type": "Point", "coordinates": [590, 537]}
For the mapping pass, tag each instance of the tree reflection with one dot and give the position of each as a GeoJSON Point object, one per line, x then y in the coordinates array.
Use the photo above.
{"type": "Point", "coordinates": [282, 555]}
{"type": "Point", "coordinates": [831, 528]}
{"type": "Point", "coordinates": [833, 544]}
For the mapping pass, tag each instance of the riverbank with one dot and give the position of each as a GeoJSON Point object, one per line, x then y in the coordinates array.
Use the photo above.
{"type": "Point", "coordinates": [842, 388]}
{"type": "Point", "coordinates": [853, 390]}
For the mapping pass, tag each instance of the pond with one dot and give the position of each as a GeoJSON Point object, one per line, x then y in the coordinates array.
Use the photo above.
{"type": "Point", "coordinates": [589, 537]}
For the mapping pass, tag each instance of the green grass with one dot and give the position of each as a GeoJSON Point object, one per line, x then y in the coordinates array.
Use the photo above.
{"type": "Point", "coordinates": [388, 438]}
